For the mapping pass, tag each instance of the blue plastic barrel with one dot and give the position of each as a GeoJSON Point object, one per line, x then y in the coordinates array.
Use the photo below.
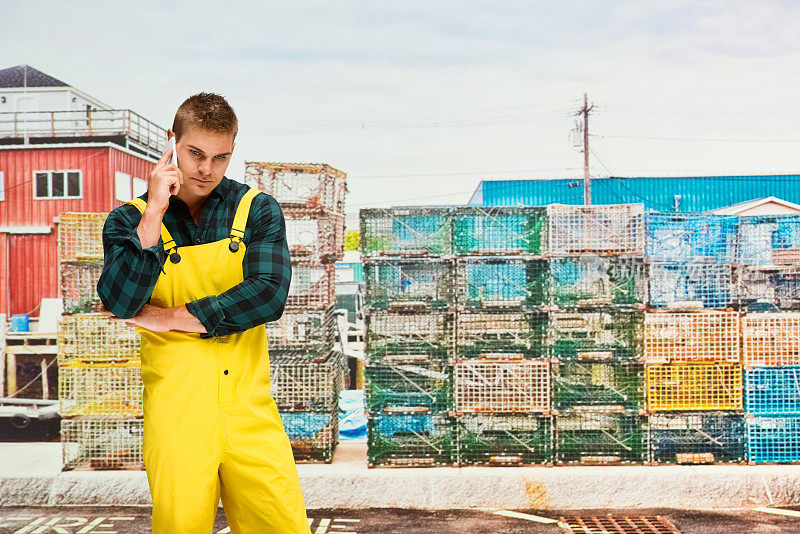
{"type": "Point", "coordinates": [20, 322]}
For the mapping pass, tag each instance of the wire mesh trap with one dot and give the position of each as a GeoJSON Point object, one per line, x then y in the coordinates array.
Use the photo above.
{"type": "Point", "coordinates": [771, 339]}
{"type": "Point", "coordinates": [313, 435]}
{"type": "Point", "coordinates": [769, 287]}
{"type": "Point", "coordinates": [769, 239]}
{"type": "Point", "coordinates": [79, 286]}
{"type": "Point", "coordinates": [411, 440]}
{"type": "Point", "coordinates": [596, 335]}
{"type": "Point", "coordinates": [493, 440]}
{"type": "Point", "coordinates": [492, 282]}
{"type": "Point", "coordinates": [420, 387]}
{"type": "Point", "coordinates": [600, 438]}
{"type": "Point", "coordinates": [691, 438]}
{"type": "Point", "coordinates": [80, 236]}
{"type": "Point", "coordinates": [707, 285]}
{"type": "Point", "coordinates": [312, 287]}
{"type": "Point", "coordinates": [299, 185]}
{"type": "Point", "coordinates": [100, 389]}
{"type": "Point", "coordinates": [406, 231]}
{"type": "Point", "coordinates": [403, 337]}
{"type": "Point", "coordinates": [683, 337]}
{"type": "Point", "coordinates": [93, 337]}
{"type": "Point", "coordinates": [680, 237]}
{"type": "Point", "coordinates": [408, 283]}
{"type": "Point", "coordinates": [773, 390]}
{"type": "Point", "coordinates": [310, 332]}
{"type": "Point", "coordinates": [603, 229]}
{"type": "Point", "coordinates": [303, 384]}
{"type": "Point", "coordinates": [502, 386]}
{"type": "Point", "coordinates": [694, 386]}
{"type": "Point", "coordinates": [598, 386]}
{"type": "Point", "coordinates": [597, 281]}
{"type": "Point", "coordinates": [773, 439]}
{"type": "Point", "coordinates": [314, 234]}
{"type": "Point", "coordinates": [499, 230]}
{"type": "Point", "coordinates": [101, 443]}
{"type": "Point", "coordinates": [500, 333]}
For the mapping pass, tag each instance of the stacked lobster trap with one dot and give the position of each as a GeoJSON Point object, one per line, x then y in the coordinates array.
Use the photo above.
{"type": "Point", "coordinates": [409, 336]}
{"type": "Point", "coordinates": [99, 371]}
{"type": "Point", "coordinates": [307, 374]}
{"type": "Point", "coordinates": [595, 298]}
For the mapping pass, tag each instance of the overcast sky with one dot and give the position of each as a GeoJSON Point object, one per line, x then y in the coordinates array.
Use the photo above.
{"type": "Point", "coordinates": [419, 101]}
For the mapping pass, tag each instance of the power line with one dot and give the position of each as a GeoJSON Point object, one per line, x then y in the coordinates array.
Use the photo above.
{"type": "Point", "coordinates": [715, 139]}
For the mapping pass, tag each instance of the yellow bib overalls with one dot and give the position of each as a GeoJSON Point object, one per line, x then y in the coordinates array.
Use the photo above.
{"type": "Point", "coordinates": [211, 429]}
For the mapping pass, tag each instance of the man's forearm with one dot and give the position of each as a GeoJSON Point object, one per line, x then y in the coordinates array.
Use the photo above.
{"type": "Point", "coordinates": [181, 319]}
{"type": "Point", "coordinates": [149, 229]}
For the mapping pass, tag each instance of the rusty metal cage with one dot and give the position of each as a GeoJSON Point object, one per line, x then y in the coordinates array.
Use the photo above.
{"type": "Point", "coordinates": [313, 286]}
{"type": "Point", "coordinates": [499, 230]}
{"type": "Point", "coordinates": [769, 239]}
{"type": "Point", "coordinates": [774, 287]}
{"type": "Point", "coordinates": [501, 282]}
{"type": "Point", "coordinates": [596, 335]}
{"type": "Point", "coordinates": [500, 333]}
{"type": "Point", "coordinates": [496, 440]}
{"type": "Point", "coordinates": [603, 229]}
{"type": "Point", "coordinates": [771, 339]}
{"type": "Point", "coordinates": [408, 337]}
{"type": "Point", "coordinates": [694, 386]}
{"type": "Point", "coordinates": [695, 438]}
{"type": "Point", "coordinates": [314, 234]}
{"type": "Point", "coordinates": [102, 443]}
{"type": "Point", "coordinates": [299, 185]}
{"type": "Point", "coordinates": [313, 435]}
{"type": "Point", "coordinates": [680, 237]}
{"type": "Point", "coordinates": [408, 283]}
{"type": "Point", "coordinates": [590, 281]}
{"type": "Point", "coordinates": [310, 332]}
{"type": "Point", "coordinates": [598, 386]}
{"type": "Point", "coordinates": [79, 286]}
{"type": "Point", "coordinates": [702, 336]}
{"type": "Point", "coordinates": [93, 337]}
{"type": "Point", "coordinates": [415, 231]}
{"type": "Point", "coordinates": [80, 236]}
{"type": "Point", "coordinates": [100, 389]}
{"type": "Point", "coordinates": [411, 440]}
{"type": "Point", "coordinates": [600, 438]}
{"type": "Point", "coordinates": [303, 384]}
{"type": "Point", "coordinates": [698, 284]}
{"type": "Point", "coordinates": [502, 386]}
{"type": "Point", "coordinates": [398, 388]}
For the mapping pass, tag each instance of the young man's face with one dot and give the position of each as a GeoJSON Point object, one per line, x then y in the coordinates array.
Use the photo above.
{"type": "Point", "coordinates": [203, 158]}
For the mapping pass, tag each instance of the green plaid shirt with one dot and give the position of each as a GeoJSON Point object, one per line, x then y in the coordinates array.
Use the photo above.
{"type": "Point", "coordinates": [130, 272]}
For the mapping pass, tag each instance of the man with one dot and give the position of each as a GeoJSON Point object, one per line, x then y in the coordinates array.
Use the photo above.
{"type": "Point", "coordinates": [198, 264]}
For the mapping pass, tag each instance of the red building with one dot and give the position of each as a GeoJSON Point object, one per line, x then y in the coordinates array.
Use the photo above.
{"type": "Point", "coordinates": [60, 150]}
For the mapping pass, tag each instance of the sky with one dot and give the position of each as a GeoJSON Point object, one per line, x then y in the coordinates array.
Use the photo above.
{"type": "Point", "coordinates": [419, 101]}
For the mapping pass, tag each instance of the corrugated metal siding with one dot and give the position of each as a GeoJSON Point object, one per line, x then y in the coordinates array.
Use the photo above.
{"type": "Point", "coordinates": [701, 193]}
{"type": "Point", "coordinates": [135, 166]}
{"type": "Point", "coordinates": [33, 271]}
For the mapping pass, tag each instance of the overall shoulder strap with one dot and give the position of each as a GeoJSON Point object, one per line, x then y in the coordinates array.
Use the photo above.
{"type": "Point", "coordinates": [242, 212]}
{"type": "Point", "coordinates": [165, 235]}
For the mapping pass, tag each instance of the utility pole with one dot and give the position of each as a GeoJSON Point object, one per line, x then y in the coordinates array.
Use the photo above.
{"type": "Point", "coordinates": [587, 181]}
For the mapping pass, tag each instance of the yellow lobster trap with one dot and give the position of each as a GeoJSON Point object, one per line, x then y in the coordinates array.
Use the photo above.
{"type": "Point", "coordinates": [694, 386]}
{"type": "Point", "coordinates": [80, 236]}
{"type": "Point", "coordinates": [94, 389]}
{"type": "Point", "coordinates": [93, 337]}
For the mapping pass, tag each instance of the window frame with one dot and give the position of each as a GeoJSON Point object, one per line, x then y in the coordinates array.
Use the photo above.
{"type": "Point", "coordinates": [50, 184]}
{"type": "Point", "coordinates": [2, 186]}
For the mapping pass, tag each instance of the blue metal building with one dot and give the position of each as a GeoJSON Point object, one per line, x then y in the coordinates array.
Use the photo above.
{"type": "Point", "coordinates": [695, 193]}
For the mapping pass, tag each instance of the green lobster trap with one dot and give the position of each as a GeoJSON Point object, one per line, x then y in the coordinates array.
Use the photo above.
{"type": "Point", "coordinates": [592, 281]}
{"type": "Point", "coordinates": [600, 438]}
{"type": "Point", "coordinates": [411, 440]}
{"type": "Point", "coordinates": [494, 440]}
{"type": "Point", "coordinates": [500, 333]}
{"type": "Point", "coordinates": [499, 230]}
{"type": "Point", "coordinates": [408, 283]}
{"type": "Point", "coordinates": [501, 282]}
{"type": "Point", "coordinates": [611, 335]}
{"type": "Point", "coordinates": [599, 386]}
{"type": "Point", "coordinates": [398, 336]}
{"type": "Point", "coordinates": [415, 231]}
{"type": "Point", "coordinates": [418, 387]}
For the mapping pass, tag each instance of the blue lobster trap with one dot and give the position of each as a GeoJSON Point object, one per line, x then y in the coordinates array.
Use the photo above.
{"type": "Point", "coordinates": [773, 439]}
{"type": "Point", "coordinates": [411, 440]}
{"type": "Point", "coordinates": [595, 281]}
{"type": "Point", "coordinates": [501, 282]}
{"type": "Point", "coordinates": [313, 435]}
{"type": "Point", "coordinates": [712, 284]}
{"type": "Point", "coordinates": [773, 390]}
{"type": "Point", "coordinates": [769, 239]}
{"type": "Point", "coordinates": [677, 237]}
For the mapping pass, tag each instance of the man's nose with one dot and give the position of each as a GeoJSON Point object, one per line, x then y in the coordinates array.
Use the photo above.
{"type": "Point", "coordinates": [205, 167]}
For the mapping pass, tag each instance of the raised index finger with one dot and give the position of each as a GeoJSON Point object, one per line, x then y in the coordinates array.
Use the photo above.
{"type": "Point", "coordinates": [165, 157]}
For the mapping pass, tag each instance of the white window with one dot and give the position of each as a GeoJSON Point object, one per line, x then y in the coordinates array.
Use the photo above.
{"type": "Point", "coordinates": [123, 186]}
{"type": "Point", "coordinates": [2, 185]}
{"type": "Point", "coordinates": [58, 184]}
{"type": "Point", "coordinates": [139, 187]}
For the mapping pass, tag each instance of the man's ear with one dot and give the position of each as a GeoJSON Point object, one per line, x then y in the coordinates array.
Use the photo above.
{"type": "Point", "coordinates": [170, 133]}
{"type": "Point", "coordinates": [233, 145]}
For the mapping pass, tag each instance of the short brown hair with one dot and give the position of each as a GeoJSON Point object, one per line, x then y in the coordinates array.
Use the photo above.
{"type": "Point", "coordinates": [208, 111]}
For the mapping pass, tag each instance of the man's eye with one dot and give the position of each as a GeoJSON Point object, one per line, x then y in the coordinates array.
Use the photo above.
{"type": "Point", "coordinates": [221, 158]}
{"type": "Point", "coordinates": [196, 153]}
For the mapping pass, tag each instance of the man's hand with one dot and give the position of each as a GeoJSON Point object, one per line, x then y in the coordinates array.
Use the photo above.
{"type": "Point", "coordinates": [158, 319]}
{"type": "Point", "coordinates": [165, 180]}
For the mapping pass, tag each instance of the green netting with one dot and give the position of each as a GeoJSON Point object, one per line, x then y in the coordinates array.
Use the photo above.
{"type": "Point", "coordinates": [585, 384]}
{"type": "Point", "coordinates": [411, 440]}
{"type": "Point", "coordinates": [617, 335]}
{"type": "Point", "coordinates": [504, 439]}
{"type": "Point", "coordinates": [425, 386]}
{"type": "Point", "coordinates": [605, 438]}
{"type": "Point", "coordinates": [498, 230]}
{"type": "Point", "coordinates": [495, 332]}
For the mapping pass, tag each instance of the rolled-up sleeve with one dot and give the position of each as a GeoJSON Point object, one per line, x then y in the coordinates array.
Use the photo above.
{"type": "Point", "coordinates": [129, 272]}
{"type": "Point", "coordinates": [267, 270]}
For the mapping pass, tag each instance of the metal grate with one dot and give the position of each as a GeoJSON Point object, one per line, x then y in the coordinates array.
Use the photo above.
{"type": "Point", "coordinates": [769, 239]}
{"type": "Point", "coordinates": [694, 386]}
{"type": "Point", "coordinates": [408, 283]}
{"type": "Point", "coordinates": [773, 390]}
{"type": "Point", "coordinates": [485, 439]}
{"type": "Point", "coordinates": [771, 339]}
{"type": "Point", "coordinates": [681, 337]}
{"type": "Point", "coordinates": [600, 438]}
{"type": "Point", "coordinates": [611, 229]}
{"type": "Point", "coordinates": [79, 286]}
{"type": "Point", "coordinates": [302, 384]}
{"type": "Point", "coordinates": [101, 443]}
{"type": "Point", "coordinates": [314, 234]}
{"type": "Point", "coordinates": [299, 185]}
{"type": "Point", "coordinates": [410, 440]}
{"type": "Point", "coordinates": [617, 524]}
{"type": "Point", "coordinates": [313, 435]}
{"type": "Point", "coordinates": [706, 285]}
{"type": "Point", "coordinates": [100, 389]}
{"type": "Point", "coordinates": [406, 231]}
{"type": "Point", "coordinates": [502, 386]}
{"type": "Point", "coordinates": [598, 386]}
{"type": "Point", "coordinates": [408, 337]}
{"type": "Point", "coordinates": [769, 287]}
{"type": "Point", "coordinates": [499, 230]}
{"type": "Point", "coordinates": [501, 282]}
{"type": "Point", "coordinates": [80, 236]}
{"type": "Point", "coordinates": [93, 337]}
{"type": "Point", "coordinates": [312, 286]}
{"type": "Point", "coordinates": [773, 439]}
{"type": "Point", "coordinates": [595, 281]}
{"type": "Point", "coordinates": [595, 335]}
{"type": "Point", "coordinates": [681, 237]}
{"type": "Point", "coordinates": [697, 438]}
{"type": "Point", "coordinates": [483, 333]}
